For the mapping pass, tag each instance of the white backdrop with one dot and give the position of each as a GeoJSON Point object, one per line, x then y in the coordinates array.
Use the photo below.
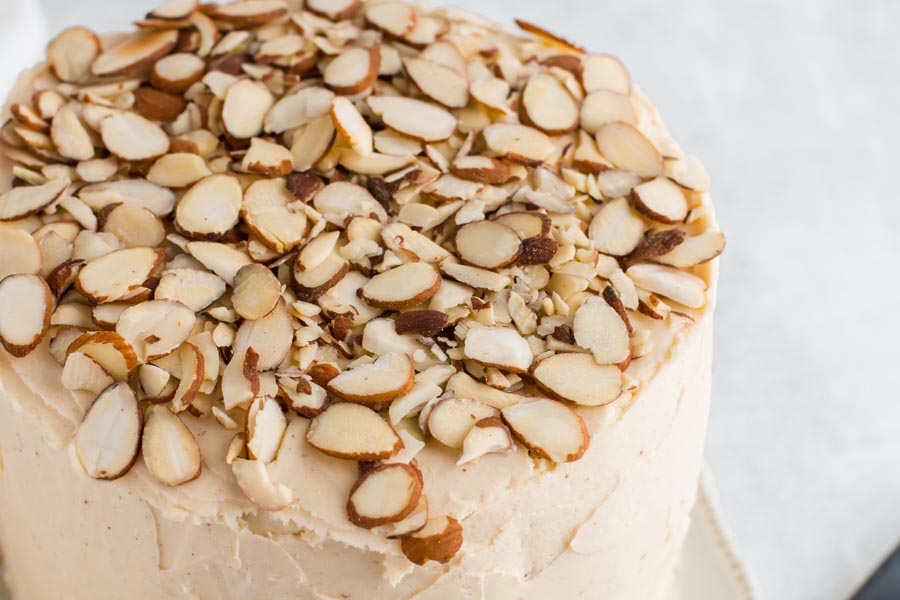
{"type": "Point", "coordinates": [793, 105]}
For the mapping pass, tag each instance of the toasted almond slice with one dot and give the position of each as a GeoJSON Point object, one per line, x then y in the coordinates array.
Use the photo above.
{"type": "Point", "coordinates": [250, 12]}
{"type": "Point", "coordinates": [170, 451]}
{"type": "Point", "coordinates": [82, 373]}
{"type": "Point", "coordinates": [627, 148]}
{"type": "Point", "coordinates": [616, 229]}
{"type": "Point", "coordinates": [134, 192]}
{"type": "Point", "coordinates": [192, 371]}
{"type": "Point", "coordinates": [451, 419]}
{"type": "Point", "coordinates": [688, 172]}
{"type": "Point", "coordinates": [401, 239]}
{"type": "Point", "coordinates": [178, 170]}
{"type": "Point", "coordinates": [70, 136]}
{"type": "Point", "coordinates": [156, 105]}
{"type": "Point", "coordinates": [476, 277]}
{"type": "Point", "coordinates": [300, 108]}
{"type": "Point", "coordinates": [375, 384]}
{"type": "Point", "coordinates": [487, 244]}
{"type": "Point", "coordinates": [26, 306]}
{"type": "Point", "coordinates": [336, 10]}
{"type": "Point", "coordinates": [537, 251]}
{"type": "Point", "coordinates": [695, 250]}
{"type": "Point", "coordinates": [606, 106]}
{"type": "Point", "coordinates": [601, 329]}
{"type": "Point", "coordinates": [385, 494]}
{"type": "Point", "coordinates": [109, 350]}
{"type": "Point", "coordinates": [310, 284]}
{"type": "Point", "coordinates": [313, 143]}
{"type": "Point", "coordinates": [72, 53]}
{"type": "Point", "coordinates": [21, 253]}
{"type": "Point", "coordinates": [353, 71]}
{"type": "Point", "coordinates": [488, 436]}
{"type": "Point", "coordinates": [551, 38]}
{"type": "Point", "coordinates": [246, 105]}
{"type": "Point", "coordinates": [352, 126]}
{"type": "Point", "coordinates": [547, 105]}
{"type": "Point", "coordinates": [175, 73]}
{"type": "Point", "coordinates": [271, 336]}
{"type": "Point", "coordinates": [393, 18]}
{"type": "Point", "coordinates": [438, 82]}
{"type": "Point", "coordinates": [415, 118]}
{"type": "Point", "coordinates": [549, 429]}
{"type": "Point", "coordinates": [175, 9]}
{"type": "Point", "coordinates": [266, 425]}
{"type": "Point", "coordinates": [657, 244]}
{"type": "Point", "coordinates": [317, 251]}
{"type": "Point", "coordinates": [134, 52]}
{"type": "Point", "coordinates": [155, 328]}
{"type": "Point", "coordinates": [267, 212]}
{"type": "Point", "coordinates": [153, 380]}
{"type": "Point", "coordinates": [354, 432]}
{"type": "Point", "coordinates": [106, 443]}
{"type": "Point", "coordinates": [210, 208]}
{"type": "Point", "coordinates": [526, 224]}
{"type": "Point", "coordinates": [518, 143]}
{"type": "Point", "coordinates": [224, 261]}
{"type": "Point", "coordinates": [26, 200]}
{"type": "Point", "coordinates": [48, 102]}
{"type": "Point", "coordinates": [604, 72]}
{"type": "Point", "coordinates": [132, 137]}
{"type": "Point", "coordinates": [500, 347]}
{"type": "Point", "coordinates": [116, 275]}
{"type": "Point", "coordinates": [578, 378]}
{"type": "Point", "coordinates": [254, 481]}
{"type": "Point", "coordinates": [481, 169]}
{"type": "Point", "coordinates": [306, 398]}
{"type": "Point", "coordinates": [256, 291]}
{"type": "Point", "coordinates": [439, 540]}
{"type": "Point", "coordinates": [684, 288]}
{"type": "Point", "coordinates": [661, 200]}
{"type": "Point", "coordinates": [28, 116]}
{"type": "Point", "coordinates": [421, 322]}
{"type": "Point", "coordinates": [268, 158]}
{"type": "Point", "coordinates": [402, 287]}
{"type": "Point", "coordinates": [206, 30]}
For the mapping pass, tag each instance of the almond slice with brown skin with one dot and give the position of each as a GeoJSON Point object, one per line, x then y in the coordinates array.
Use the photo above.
{"type": "Point", "coordinates": [249, 12]}
{"type": "Point", "coordinates": [537, 251]}
{"type": "Point", "coordinates": [600, 328]}
{"type": "Point", "coordinates": [270, 335]}
{"type": "Point", "coordinates": [375, 384]}
{"type": "Point", "coordinates": [606, 106]}
{"type": "Point", "coordinates": [402, 239]}
{"type": "Point", "coordinates": [192, 371]}
{"type": "Point", "coordinates": [500, 347]}
{"type": "Point", "coordinates": [481, 169]}
{"type": "Point", "coordinates": [71, 53]}
{"type": "Point", "coordinates": [684, 288]}
{"type": "Point", "coordinates": [106, 443]}
{"type": "Point", "coordinates": [578, 378]}
{"type": "Point", "coordinates": [526, 224]}
{"type": "Point", "coordinates": [175, 9]}
{"type": "Point", "coordinates": [131, 137]}
{"type": "Point", "coordinates": [415, 521]}
{"type": "Point", "coordinates": [253, 479]}
{"type": "Point", "coordinates": [223, 260]}
{"type": "Point", "coordinates": [178, 170]}
{"type": "Point", "coordinates": [21, 253]}
{"type": "Point", "coordinates": [604, 72]}
{"type": "Point", "coordinates": [616, 229]}
{"type": "Point", "coordinates": [304, 397]}
{"type": "Point", "coordinates": [310, 284]}
{"type": "Point", "coordinates": [170, 451]}
{"type": "Point", "coordinates": [134, 52]}
{"type": "Point", "coordinates": [439, 540]}
{"type": "Point", "coordinates": [694, 250]}
{"type": "Point", "coordinates": [82, 373]}
{"type": "Point", "coordinates": [300, 108]}
{"type": "Point", "coordinates": [268, 158]}
{"type": "Point", "coordinates": [451, 419]}
{"type": "Point", "coordinates": [352, 126]}
{"type": "Point", "coordinates": [312, 143]}
{"type": "Point", "coordinates": [353, 432]}
{"type": "Point", "coordinates": [421, 322]}
{"type": "Point", "coordinates": [384, 494]}
{"type": "Point", "coordinates": [373, 164]}
{"type": "Point", "coordinates": [26, 305]}
{"type": "Point", "coordinates": [488, 436]}
{"type": "Point", "coordinates": [135, 192]}
{"type": "Point", "coordinates": [156, 327]}
{"type": "Point", "coordinates": [353, 71]}
{"type": "Point", "coordinates": [26, 200]}
{"type": "Point", "coordinates": [657, 244]}
{"type": "Point", "coordinates": [476, 277]}
{"type": "Point", "coordinates": [70, 136]}
{"type": "Point", "coordinates": [688, 172]}
{"type": "Point", "coordinates": [518, 143]}
{"type": "Point", "coordinates": [446, 53]}
{"type": "Point", "coordinates": [661, 200]}
{"type": "Point", "coordinates": [109, 350]}
{"type": "Point", "coordinates": [402, 287]}
{"type": "Point", "coordinates": [549, 429]}
{"type": "Point", "coordinates": [210, 208]}
{"type": "Point", "coordinates": [175, 73]}
{"type": "Point", "coordinates": [548, 37]}
{"type": "Point", "coordinates": [393, 18]}
{"type": "Point", "coordinates": [256, 291]}
{"type": "Point", "coordinates": [488, 244]}
{"type": "Point", "coordinates": [438, 82]}
{"type": "Point", "coordinates": [629, 149]}
{"type": "Point", "coordinates": [336, 10]}
{"type": "Point", "coordinates": [117, 274]}
{"type": "Point", "coordinates": [547, 105]}
{"type": "Point", "coordinates": [266, 425]}
{"type": "Point", "coordinates": [246, 105]}
{"type": "Point", "coordinates": [417, 119]}
{"type": "Point", "coordinates": [267, 212]}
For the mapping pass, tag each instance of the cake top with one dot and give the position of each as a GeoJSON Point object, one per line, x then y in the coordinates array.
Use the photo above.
{"type": "Point", "coordinates": [410, 227]}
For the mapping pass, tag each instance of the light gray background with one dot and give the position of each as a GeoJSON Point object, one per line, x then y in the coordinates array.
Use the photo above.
{"type": "Point", "coordinates": [793, 105]}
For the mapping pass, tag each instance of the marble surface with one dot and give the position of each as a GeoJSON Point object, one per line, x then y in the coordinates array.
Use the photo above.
{"type": "Point", "coordinates": [793, 107]}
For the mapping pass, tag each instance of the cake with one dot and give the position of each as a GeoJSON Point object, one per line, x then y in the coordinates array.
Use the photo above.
{"type": "Point", "coordinates": [347, 300]}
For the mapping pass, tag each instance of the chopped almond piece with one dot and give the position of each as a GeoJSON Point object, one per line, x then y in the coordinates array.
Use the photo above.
{"type": "Point", "coordinates": [616, 229]}
{"type": "Point", "coordinates": [439, 540]}
{"type": "Point", "coordinates": [353, 432]}
{"type": "Point", "coordinates": [175, 73]}
{"type": "Point", "coordinates": [192, 370]}
{"type": "Point", "coordinates": [488, 244]}
{"type": "Point", "coordinates": [106, 443]}
{"type": "Point", "coordinates": [402, 287]}
{"type": "Point", "coordinates": [155, 328]}
{"type": "Point", "coordinates": [134, 52]}
{"type": "Point", "coordinates": [336, 10]}
{"type": "Point", "coordinates": [26, 306]}
{"type": "Point", "coordinates": [604, 72]}
{"type": "Point", "coordinates": [627, 148]}
{"type": "Point", "coordinates": [438, 82]}
{"type": "Point", "coordinates": [578, 378]}
{"type": "Point", "coordinates": [417, 119]}
{"type": "Point", "coordinates": [170, 451]}
{"type": "Point", "coordinates": [267, 211]}
{"type": "Point", "coordinates": [256, 291]}
{"type": "Point", "coordinates": [377, 383]}
{"type": "Point", "coordinates": [661, 200]}
{"type": "Point", "coordinates": [488, 436]}
{"type": "Point", "coordinates": [694, 250]}
{"type": "Point", "coordinates": [547, 105]}
{"type": "Point", "coordinates": [548, 428]}
{"type": "Point", "coordinates": [684, 288]}
{"type": "Point", "coordinates": [306, 398]}
{"type": "Point", "coordinates": [72, 52]}
{"type": "Point", "coordinates": [353, 71]}
{"type": "Point", "coordinates": [500, 347]}
{"type": "Point", "coordinates": [253, 479]}
{"type": "Point", "coordinates": [385, 494]}
{"type": "Point", "coordinates": [266, 425]}
{"type": "Point", "coordinates": [518, 143]}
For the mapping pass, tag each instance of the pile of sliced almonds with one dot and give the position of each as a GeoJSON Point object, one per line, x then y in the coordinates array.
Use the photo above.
{"type": "Point", "coordinates": [407, 227]}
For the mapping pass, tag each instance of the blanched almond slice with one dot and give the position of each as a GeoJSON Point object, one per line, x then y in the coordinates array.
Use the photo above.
{"type": "Point", "coordinates": [604, 72]}
{"type": "Point", "coordinates": [438, 82]}
{"type": "Point", "coordinates": [26, 306]}
{"type": "Point", "coordinates": [267, 212]}
{"type": "Point", "coordinates": [606, 106]}
{"type": "Point", "coordinates": [131, 137]}
{"type": "Point", "coordinates": [616, 229]}
{"type": "Point", "coordinates": [487, 244]}
{"type": "Point", "coordinates": [518, 143]}
{"type": "Point", "coordinates": [250, 12]}
{"type": "Point", "coordinates": [246, 105]}
{"type": "Point", "coordinates": [695, 250]}
{"type": "Point", "coordinates": [451, 419]}
{"type": "Point", "coordinates": [313, 143]}
{"type": "Point", "coordinates": [170, 451]}
{"type": "Point", "coordinates": [600, 328]}
{"type": "Point", "coordinates": [300, 108]}
{"type": "Point", "coordinates": [353, 71]}
{"type": "Point", "coordinates": [476, 277]}
{"type": "Point", "coordinates": [155, 328]}
{"type": "Point", "coordinates": [312, 283]}
{"type": "Point", "coordinates": [439, 540]}
{"type": "Point", "coordinates": [134, 192]}
{"type": "Point", "coordinates": [266, 425]}
{"type": "Point", "coordinates": [688, 172]}
{"type": "Point", "coordinates": [106, 443]}
{"type": "Point", "coordinates": [548, 428]}
{"type": "Point", "coordinates": [192, 371]}
{"type": "Point", "coordinates": [354, 432]}
{"type": "Point", "coordinates": [336, 10]}
{"type": "Point", "coordinates": [72, 53]}
{"type": "Point", "coordinates": [547, 105]}
{"type": "Point", "coordinates": [116, 275]}
{"type": "Point", "coordinates": [271, 336]}
{"type": "Point", "coordinates": [394, 18]}
{"type": "Point", "coordinates": [70, 136]}
{"type": "Point", "coordinates": [134, 52]}
{"type": "Point", "coordinates": [110, 351]}
{"type": "Point", "coordinates": [352, 126]}
{"type": "Point", "coordinates": [304, 397]}
{"type": "Point", "coordinates": [488, 436]}
{"type": "Point", "coordinates": [578, 378]}
{"type": "Point", "coordinates": [684, 288]}
{"type": "Point", "coordinates": [377, 383]}
{"type": "Point", "coordinates": [82, 373]}
{"type": "Point", "coordinates": [414, 118]}
{"type": "Point", "coordinates": [481, 169]}
{"type": "Point", "coordinates": [661, 200]}
{"type": "Point", "coordinates": [254, 481]}
{"type": "Point", "coordinates": [175, 73]}
{"type": "Point", "coordinates": [385, 494]}
{"type": "Point", "coordinates": [21, 253]}
{"type": "Point", "coordinates": [210, 208]}
{"type": "Point", "coordinates": [175, 9]}
{"type": "Point", "coordinates": [402, 287]}
{"type": "Point", "coordinates": [627, 148]}
{"type": "Point", "coordinates": [500, 347]}
{"type": "Point", "coordinates": [256, 291]}
{"type": "Point", "coordinates": [178, 170]}
{"type": "Point", "coordinates": [26, 200]}
{"type": "Point", "coordinates": [268, 158]}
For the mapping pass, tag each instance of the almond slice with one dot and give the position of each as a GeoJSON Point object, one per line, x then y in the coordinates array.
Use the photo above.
{"type": "Point", "coordinates": [70, 136]}
{"type": "Point", "coordinates": [175, 73]}
{"type": "Point", "coordinates": [178, 170]}
{"type": "Point", "coordinates": [480, 169]}
{"type": "Point", "coordinates": [71, 53]}
{"type": "Point", "coordinates": [373, 164]}
{"type": "Point", "coordinates": [300, 108]}
{"type": "Point", "coordinates": [155, 328]}
{"type": "Point", "coordinates": [684, 288]}
{"type": "Point", "coordinates": [26, 200]}
{"type": "Point", "coordinates": [246, 105]}
{"type": "Point", "coordinates": [606, 106]}
{"type": "Point", "coordinates": [438, 82]}
{"type": "Point", "coordinates": [131, 137]}
{"type": "Point", "coordinates": [526, 224]}
{"type": "Point", "coordinates": [500, 347]}
{"type": "Point", "coordinates": [170, 451]}
{"type": "Point", "coordinates": [310, 284]}
{"type": "Point", "coordinates": [266, 425]}
{"type": "Point", "coordinates": [210, 208]}
{"type": "Point", "coordinates": [446, 53]}
{"type": "Point", "coordinates": [107, 315]}
{"type": "Point", "coordinates": [153, 381]}
{"type": "Point", "coordinates": [268, 158]}
{"type": "Point", "coordinates": [627, 148]}
{"type": "Point", "coordinates": [134, 52]}
{"type": "Point", "coordinates": [175, 9]}
{"type": "Point", "coordinates": [21, 252]}
{"type": "Point", "coordinates": [421, 322]}
{"type": "Point", "coordinates": [106, 443]}
{"type": "Point", "coordinates": [270, 335]}
{"type": "Point", "coordinates": [134, 192]}
{"type": "Point", "coordinates": [384, 494]}
{"type": "Point", "coordinates": [464, 386]}
{"type": "Point", "coordinates": [253, 479]}
{"type": "Point", "coordinates": [604, 72]}
{"type": "Point", "coordinates": [82, 373]}
{"type": "Point", "coordinates": [249, 12]}
{"type": "Point", "coordinates": [537, 251]}
{"type": "Point", "coordinates": [694, 250]}
{"type": "Point", "coordinates": [549, 429]}
{"type": "Point", "coordinates": [415, 521]}
{"type": "Point", "coordinates": [600, 328]}
{"type": "Point", "coordinates": [439, 540]}
{"type": "Point", "coordinates": [402, 239]}
{"type": "Point", "coordinates": [267, 212]}
{"type": "Point", "coordinates": [578, 378]}
{"type": "Point", "coordinates": [354, 432]}
{"type": "Point", "coordinates": [240, 379]}
{"type": "Point", "coordinates": [393, 18]}
{"type": "Point", "coordinates": [225, 261]}
{"type": "Point", "coordinates": [488, 244]}
{"type": "Point", "coordinates": [304, 397]}
{"type": "Point", "coordinates": [192, 371]}
{"type": "Point", "coordinates": [476, 277]}
{"type": "Point", "coordinates": [547, 105]}
{"type": "Point", "coordinates": [375, 384]}
{"type": "Point", "coordinates": [616, 229]}
{"type": "Point", "coordinates": [657, 244]}
{"type": "Point", "coordinates": [688, 172]}
{"type": "Point", "coordinates": [488, 436]}
{"type": "Point", "coordinates": [402, 287]}
{"type": "Point", "coordinates": [118, 274]}
{"type": "Point", "coordinates": [353, 71]}
{"type": "Point", "coordinates": [551, 38]}
{"type": "Point", "coordinates": [518, 143]}
{"type": "Point", "coordinates": [109, 350]}
{"type": "Point", "coordinates": [352, 126]}
{"type": "Point", "coordinates": [155, 105]}
{"type": "Point", "coordinates": [312, 144]}
{"type": "Point", "coordinates": [417, 119]}
{"type": "Point", "coordinates": [26, 305]}
{"type": "Point", "coordinates": [451, 419]}
{"type": "Point", "coordinates": [336, 10]}
{"type": "Point", "coordinates": [661, 200]}
{"type": "Point", "coordinates": [256, 291]}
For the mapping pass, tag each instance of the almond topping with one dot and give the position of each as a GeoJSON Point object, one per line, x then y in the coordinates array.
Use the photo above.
{"type": "Point", "coordinates": [402, 287]}
{"type": "Point", "coordinates": [310, 284]}
{"type": "Point", "coordinates": [377, 383]}
{"type": "Point", "coordinates": [438, 82]}
{"type": "Point", "coordinates": [688, 172]}
{"type": "Point", "coordinates": [70, 136]}
{"type": "Point", "coordinates": [439, 540]}
{"type": "Point", "coordinates": [82, 373]}
{"type": "Point", "coordinates": [106, 443]}
{"type": "Point", "coordinates": [21, 253]}
{"type": "Point", "coordinates": [175, 9]}
{"type": "Point", "coordinates": [394, 18]}
{"type": "Point", "coordinates": [300, 108]}
{"type": "Point", "coordinates": [270, 335]}
{"type": "Point", "coordinates": [549, 429]}
{"type": "Point", "coordinates": [548, 106]}
{"type": "Point", "coordinates": [353, 71]}
{"type": "Point", "coordinates": [422, 322]}
{"type": "Point", "coordinates": [660, 200]}
{"type": "Point", "coordinates": [451, 419]}
{"type": "Point", "coordinates": [386, 494]}
{"type": "Point", "coordinates": [352, 126]}
{"type": "Point", "coordinates": [254, 481]}
{"type": "Point", "coordinates": [551, 38]}
{"type": "Point", "coordinates": [134, 52]}
{"type": "Point", "coordinates": [155, 328]}
{"type": "Point", "coordinates": [266, 425]}
{"type": "Point", "coordinates": [695, 250]}
{"type": "Point", "coordinates": [616, 229]}
{"type": "Point", "coordinates": [170, 451]}
{"type": "Point", "coordinates": [627, 148]}
{"type": "Point", "coordinates": [480, 169]}
{"type": "Point", "coordinates": [604, 72]}
{"type": "Point", "coordinates": [246, 105]}
{"type": "Point", "coordinates": [606, 106]}
{"type": "Point", "coordinates": [26, 306]}
{"type": "Point", "coordinates": [268, 158]}
{"type": "Point", "coordinates": [132, 137]}
{"type": "Point", "coordinates": [175, 73]}
{"type": "Point", "coordinates": [249, 12]}
{"type": "Point", "coordinates": [118, 274]}
{"type": "Point", "coordinates": [488, 436]}
{"type": "Point", "coordinates": [72, 53]}
{"type": "Point", "coordinates": [210, 208]}
{"type": "Point", "coordinates": [657, 244]}
{"type": "Point", "coordinates": [336, 10]}
{"type": "Point", "coordinates": [476, 277]}
{"type": "Point", "coordinates": [134, 226]}
{"type": "Point", "coordinates": [192, 371]}
{"type": "Point", "coordinates": [178, 170]}
{"type": "Point", "coordinates": [26, 200]}
{"type": "Point", "coordinates": [487, 244]}
{"type": "Point", "coordinates": [537, 251]}
{"type": "Point", "coordinates": [578, 378]}
{"type": "Point", "coordinates": [256, 291]}
{"type": "Point", "coordinates": [268, 212]}
{"type": "Point", "coordinates": [600, 328]}
{"type": "Point", "coordinates": [419, 120]}
{"type": "Point", "coordinates": [518, 143]}
{"type": "Point", "coordinates": [109, 350]}
{"type": "Point", "coordinates": [684, 288]}
{"type": "Point", "coordinates": [500, 347]}
{"type": "Point", "coordinates": [304, 397]}
{"type": "Point", "coordinates": [354, 432]}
